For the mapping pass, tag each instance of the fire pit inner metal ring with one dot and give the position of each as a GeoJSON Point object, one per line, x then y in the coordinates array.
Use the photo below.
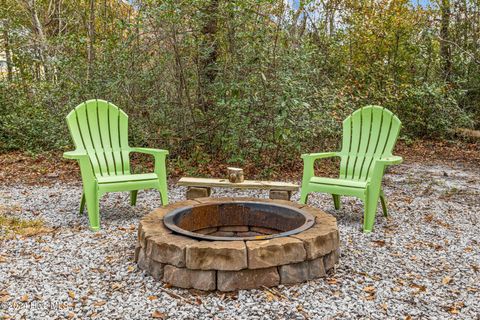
{"type": "Point", "coordinates": [286, 220]}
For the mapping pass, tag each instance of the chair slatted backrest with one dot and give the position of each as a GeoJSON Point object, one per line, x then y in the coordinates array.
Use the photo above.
{"type": "Point", "coordinates": [369, 133]}
{"type": "Point", "coordinates": [101, 129]}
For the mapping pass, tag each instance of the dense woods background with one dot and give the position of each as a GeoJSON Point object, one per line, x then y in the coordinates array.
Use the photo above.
{"type": "Point", "coordinates": [249, 80]}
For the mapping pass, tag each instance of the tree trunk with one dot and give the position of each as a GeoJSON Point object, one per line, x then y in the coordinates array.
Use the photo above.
{"type": "Point", "coordinates": [8, 57]}
{"type": "Point", "coordinates": [40, 39]}
{"type": "Point", "coordinates": [91, 39]}
{"type": "Point", "coordinates": [445, 48]}
{"type": "Point", "coordinates": [208, 56]}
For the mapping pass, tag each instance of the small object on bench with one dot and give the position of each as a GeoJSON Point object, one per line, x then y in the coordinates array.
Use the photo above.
{"type": "Point", "coordinates": [201, 187]}
{"type": "Point", "coordinates": [235, 175]}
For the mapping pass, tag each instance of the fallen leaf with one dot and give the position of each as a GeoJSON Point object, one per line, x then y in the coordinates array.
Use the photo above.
{"type": "Point", "coordinates": [269, 296]}
{"type": "Point", "coordinates": [158, 315]}
{"type": "Point", "coordinates": [71, 294]}
{"type": "Point", "coordinates": [446, 280]}
{"type": "Point", "coordinates": [99, 303]}
{"type": "Point", "coordinates": [117, 286]}
{"type": "Point", "coordinates": [379, 243]}
{"type": "Point", "coordinates": [24, 298]}
{"type": "Point", "coordinates": [453, 310]}
{"type": "Point", "coordinates": [37, 256]}
{"type": "Point", "coordinates": [4, 296]}
{"type": "Point", "coordinates": [3, 259]}
{"type": "Point", "coordinates": [369, 289]}
{"type": "Point", "coordinates": [47, 249]}
{"type": "Point", "coordinates": [370, 297]}
{"type": "Point", "coordinates": [131, 268]}
{"type": "Point", "coordinates": [332, 281]}
{"type": "Point", "coordinates": [151, 298]}
{"type": "Point", "coordinates": [419, 287]}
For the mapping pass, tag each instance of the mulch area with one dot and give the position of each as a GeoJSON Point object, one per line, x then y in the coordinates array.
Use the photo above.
{"type": "Point", "coordinates": [49, 168]}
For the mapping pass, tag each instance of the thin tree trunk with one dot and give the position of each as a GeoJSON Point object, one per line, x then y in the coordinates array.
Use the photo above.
{"type": "Point", "coordinates": [8, 57]}
{"type": "Point", "coordinates": [91, 37]}
{"type": "Point", "coordinates": [208, 56]}
{"type": "Point", "coordinates": [40, 39]}
{"type": "Point", "coordinates": [445, 48]}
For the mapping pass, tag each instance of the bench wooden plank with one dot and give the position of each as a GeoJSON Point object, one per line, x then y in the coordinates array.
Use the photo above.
{"type": "Point", "coordinates": [247, 184]}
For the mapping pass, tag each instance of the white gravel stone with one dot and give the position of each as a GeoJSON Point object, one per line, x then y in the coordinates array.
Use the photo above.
{"type": "Point", "coordinates": [400, 270]}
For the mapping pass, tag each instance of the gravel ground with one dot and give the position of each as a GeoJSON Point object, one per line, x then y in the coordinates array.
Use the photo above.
{"type": "Point", "coordinates": [422, 262]}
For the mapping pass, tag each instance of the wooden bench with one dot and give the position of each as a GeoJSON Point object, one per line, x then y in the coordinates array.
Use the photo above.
{"type": "Point", "coordinates": [201, 187]}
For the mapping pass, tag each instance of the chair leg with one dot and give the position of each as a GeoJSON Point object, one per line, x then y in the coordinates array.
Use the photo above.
{"type": "Point", "coordinates": [369, 212]}
{"type": "Point", "coordinates": [92, 199]}
{"type": "Point", "coordinates": [133, 197]}
{"type": "Point", "coordinates": [304, 196]}
{"type": "Point", "coordinates": [163, 189]}
{"type": "Point", "coordinates": [336, 201]}
{"type": "Point", "coordinates": [82, 203]}
{"type": "Point", "coordinates": [383, 200]}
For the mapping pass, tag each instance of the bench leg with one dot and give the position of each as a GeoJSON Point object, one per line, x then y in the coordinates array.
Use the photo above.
{"type": "Point", "coordinates": [198, 192]}
{"type": "Point", "coordinates": [280, 194]}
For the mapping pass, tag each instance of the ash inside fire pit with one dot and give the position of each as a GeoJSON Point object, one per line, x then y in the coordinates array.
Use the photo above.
{"type": "Point", "coordinates": [238, 221]}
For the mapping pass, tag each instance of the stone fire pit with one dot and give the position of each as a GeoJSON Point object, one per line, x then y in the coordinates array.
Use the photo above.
{"type": "Point", "coordinates": [228, 244]}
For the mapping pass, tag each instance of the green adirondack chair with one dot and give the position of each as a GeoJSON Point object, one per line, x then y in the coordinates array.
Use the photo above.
{"type": "Point", "coordinates": [369, 136]}
{"type": "Point", "coordinates": [100, 132]}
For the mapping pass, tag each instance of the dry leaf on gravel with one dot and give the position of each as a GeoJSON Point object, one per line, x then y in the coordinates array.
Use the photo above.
{"type": "Point", "coordinates": [99, 303]}
{"type": "Point", "coordinates": [446, 280]}
{"type": "Point", "coordinates": [4, 296]}
{"type": "Point", "coordinates": [269, 296]}
{"type": "Point", "coordinates": [369, 289]}
{"type": "Point", "coordinates": [379, 243]}
{"type": "Point", "coordinates": [71, 294]}
{"type": "Point", "coordinates": [24, 298]}
{"type": "Point", "coordinates": [158, 315]}
{"type": "Point", "coordinates": [151, 298]}
{"type": "Point", "coordinates": [455, 308]}
{"type": "Point", "coordinates": [419, 287]}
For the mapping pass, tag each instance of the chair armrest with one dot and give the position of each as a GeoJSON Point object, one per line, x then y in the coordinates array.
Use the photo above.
{"type": "Point", "coordinates": [85, 165]}
{"type": "Point", "coordinates": [390, 160]}
{"type": "Point", "coordinates": [76, 155]}
{"type": "Point", "coordinates": [321, 155]}
{"type": "Point", "coordinates": [309, 161]}
{"type": "Point", "coordinates": [151, 151]}
{"type": "Point", "coordinates": [159, 155]}
{"type": "Point", "coordinates": [379, 168]}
